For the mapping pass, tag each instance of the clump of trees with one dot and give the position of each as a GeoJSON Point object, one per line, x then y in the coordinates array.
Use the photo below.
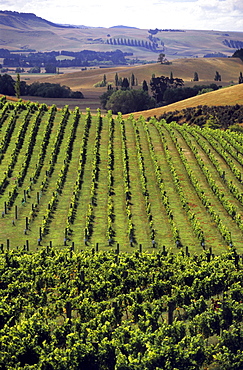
{"type": "Point", "coordinates": [168, 90]}
{"type": "Point", "coordinates": [124, 98]}
{"type": "Point", "coordinates": [44, 89]}
{"type": "Point", "coordinates": [160, 84]}
{"type": "Point", "coordinates": [127, 101]}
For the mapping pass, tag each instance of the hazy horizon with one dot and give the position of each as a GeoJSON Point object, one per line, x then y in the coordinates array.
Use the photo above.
{"type": "Point", "coordinates": [218, 15]}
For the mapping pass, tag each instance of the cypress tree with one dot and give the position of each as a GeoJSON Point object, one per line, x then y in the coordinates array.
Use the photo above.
{"type": "Point", "coordinates": [17, 86]}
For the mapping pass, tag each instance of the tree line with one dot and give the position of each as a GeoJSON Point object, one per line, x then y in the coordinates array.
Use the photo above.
{"type": "Point", "coordinates": [8, 86]}
{"type": "Point", "coordinates": [123, 96]}
{"type": "Point", "coordinates": [80, 58]}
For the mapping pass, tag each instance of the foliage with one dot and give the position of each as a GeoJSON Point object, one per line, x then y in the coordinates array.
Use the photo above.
{"type": "Point", "coordinates": [145, 85]}
{"type": "Point", "coordinates": [217, 76]}
{"type": "Point", "coordinates": [50, 68]}
{"type": "Point", "coordinates": [196, 77]}
{"type": "Point", "coordinates": [44, 89]}
{"type": "Point", "coordinates": [127, 101]}
{"type": "Point", "coordinates": [7, 85]}
{"type": "Point", "coordinates": [204, 91]}
{"type": "Point", "coordinates": [68, 177]}
{"type": "Point", "coordinates": [62, 309]}
{"type": "Point", "coordinates": [161, 58]}
{"type": "Point", "coordinates": [226, 116]}
{"type": "Point", "coordinates": [50, 59]}
{"type": "Point", "coordinates": [160, 84]}
{"type": "Point", "coordinates": [17, 86]}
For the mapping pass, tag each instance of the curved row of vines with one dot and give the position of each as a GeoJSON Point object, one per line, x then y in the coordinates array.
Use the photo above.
{"type": "Point", "coordinates": [72, 178]}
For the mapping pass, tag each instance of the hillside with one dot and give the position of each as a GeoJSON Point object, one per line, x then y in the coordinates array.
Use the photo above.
{"type": "Point", "coordinates": [26, 31]}
{"type": "Point", "coordinates": [229, 68]}
{"type": "Point", "coordinates": [70, 178]}
{"type": "Point", "coordinates": [227, 96]}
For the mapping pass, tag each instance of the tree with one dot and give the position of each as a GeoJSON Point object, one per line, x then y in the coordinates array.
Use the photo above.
{"type": "Point", "coordinates": [132, 80]}
{"type": "Point", "coordinates": [116, 80]}
{"type": "Point", "coordinates": [161, 58]}
{"type": "Point", "coordinates": [7, 85]}
{"type": "Point", "coordinates": [105, 97]}
{"type": "Point", "coordinates": [127, 101]}
{"type": "Point", "coordinates": [196, 77]}
{"type": "Point", "coordinates": [160, 84]}
{"type": "Point", "coordinates": [240, 78]}
{"type": "Point", "coordinates": [17, 86]}
{"type": "Point", "coordinates": [217, 76]}
{"type": "Point", "coordinates": [50, 68]}
{"type": "Point", "coordinates": [19, 70]}
{"type": "Point", "coordinates": [125, 84]}
{"type": "Point", "coordinates": [104, 80]}
{"type": "Point", "coordinates": [145, 86]}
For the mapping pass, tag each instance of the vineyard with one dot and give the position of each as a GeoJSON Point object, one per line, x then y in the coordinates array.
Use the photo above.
{"type": "Point", "coordinates": [78, 191]}
{"type": "Point", "coordinates": [69, 178]}
{"type": "Point", "coordinates": [62, 309]}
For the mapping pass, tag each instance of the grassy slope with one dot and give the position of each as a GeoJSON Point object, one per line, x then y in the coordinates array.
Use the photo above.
{"type": "Point", "coordinates": [183, 68]}
{"type": "Point", "coordinates": [229, 68]}
{"type": "Point", "coordinates": [228, 96]}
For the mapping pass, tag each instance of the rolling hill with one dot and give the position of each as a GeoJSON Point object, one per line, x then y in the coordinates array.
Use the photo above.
{"type": "Point", "coordinates": [26, 31]}
{"type": "Point", "coordinates": [228, 96]}
{"type": "Point", "coordinates": [229, 68]}
{"type": "Point", "coordinates": [184, 68]}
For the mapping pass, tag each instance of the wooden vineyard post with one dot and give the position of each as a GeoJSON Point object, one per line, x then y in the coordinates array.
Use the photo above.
{"type": "Point", "coordinates": [97, 247]}
{"type": "Point", "coordinates": [82, 276]}
{"type": "Point", "coordinates": [140, 248]}
{"type": "Point", "coordinates": [26, 223]}
{"type": "Point", "coordinates": [16, 212]}
{"type": "Point", "coordinates": [8, 244]}
{"type": "Point", "coordinates": [39, 239]}
{"type": "Point", "coordinates": [171, 307]}
{"type": "Point", "coordinates": [68, 308]}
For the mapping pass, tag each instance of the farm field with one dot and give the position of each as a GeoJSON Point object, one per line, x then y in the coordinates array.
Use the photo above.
{"type": "Point", "coordinates": [72, 178]}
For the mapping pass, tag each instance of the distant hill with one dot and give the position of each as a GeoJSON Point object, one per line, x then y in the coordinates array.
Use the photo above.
{"type": "Point", "coordinates": [23, 20]}
{"type": "Point", "coordinates": [27, 31]}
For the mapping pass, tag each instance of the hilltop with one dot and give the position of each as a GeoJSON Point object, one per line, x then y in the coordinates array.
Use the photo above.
{"type": "Point", "coordinates": [24, 31]}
